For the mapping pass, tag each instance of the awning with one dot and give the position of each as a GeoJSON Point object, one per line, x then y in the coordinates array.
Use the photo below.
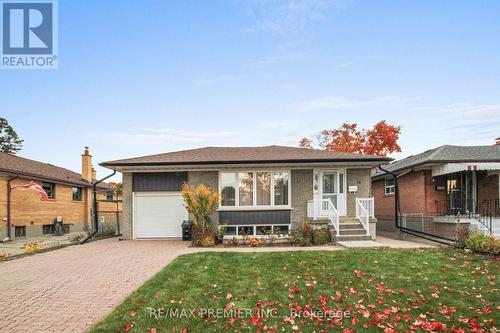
{"type": "Point", "coordinates": [469, 166]}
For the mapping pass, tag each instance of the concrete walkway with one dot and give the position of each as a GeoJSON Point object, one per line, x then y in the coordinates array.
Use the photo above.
{"type": "Point", "coordinates": [382, 242]}
{"type": "Point", "coordinates": [69, 289]}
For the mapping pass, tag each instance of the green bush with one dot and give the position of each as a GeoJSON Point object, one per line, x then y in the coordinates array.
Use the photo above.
{"type": "Point", "coordinates": [294, 236]}
{"type": "Point", "coordinates": [494, 245]}
{"type": "Point", "coordinates": [305, 234]}
{"type": "Point", "coordinates": [461, 235]}
{"type": "Point", "coordinates": [478, 242]}
{"type": "Point", "coordinates": [321, 236]}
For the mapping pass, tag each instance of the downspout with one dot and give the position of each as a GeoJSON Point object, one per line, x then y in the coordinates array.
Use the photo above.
{"type": "Point", "coordinates": [396, 196]}
{"type": "Point", "coordinates": [9, 199]}
{"type": "Point", "coordinates": [416, 233]}
{"type": "Point", "coordinates": [94, 208]}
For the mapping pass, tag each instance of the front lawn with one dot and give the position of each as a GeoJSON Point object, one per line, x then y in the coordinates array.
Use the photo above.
{"type": "Point", "coordinates": [351, 291]}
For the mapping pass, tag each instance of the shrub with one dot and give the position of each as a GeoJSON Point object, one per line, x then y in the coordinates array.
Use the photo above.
{"type": "Point", "coordinates": [462, 234]}
{"type": "Point", "coordinates": [478, 242]}
{"type": "Point", "coordinates": [306, 234]}
{"type": "Point", "coordinates": [321, 236]}
{"type": "Point", "coordinates": [234, 242]}
{"type": "Point", "coordinates": [494, 245]}
{"type": "Point", "coordinates": [32, 247]}
{"type": "Point", "coordinates": [294, 236]}
{"type": "Point", "coordinates": [201, 202]}
{"type": "Point", "coordinates": [207, 241]}
{"type": "Point", "coordinates": [4, 254]}
{"type": "Point", "coordinates": [245, 237]}
{"type": "Point", "coordinates": [272, 234]}
{"type": "Point", "coordinates": [220, 231]}
{"type": "Point", "coordinates": [254, 242]}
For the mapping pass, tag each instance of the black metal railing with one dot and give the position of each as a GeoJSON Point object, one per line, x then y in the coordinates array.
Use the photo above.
{"type": "Point", "coordinates": [469, 208]}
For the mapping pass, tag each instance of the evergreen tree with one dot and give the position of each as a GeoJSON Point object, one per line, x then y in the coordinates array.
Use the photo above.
{"type": "Point", "coordinates": [9, 141]}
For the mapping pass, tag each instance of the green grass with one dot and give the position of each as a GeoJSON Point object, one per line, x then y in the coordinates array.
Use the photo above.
{"type": "Point", "coordinates": [397, 291]}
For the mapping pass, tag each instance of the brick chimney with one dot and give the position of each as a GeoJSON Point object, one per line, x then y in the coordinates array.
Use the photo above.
{"type": "Point", "coordinates": [94, 175]}
{"type": "Point", "coordinates": [497, 141]}
{"type": "Point", "coordinates": [87, 165]}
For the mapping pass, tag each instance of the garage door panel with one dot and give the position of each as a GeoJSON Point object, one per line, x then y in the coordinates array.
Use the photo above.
{"type": "Point", "coordinates": [159, 215]}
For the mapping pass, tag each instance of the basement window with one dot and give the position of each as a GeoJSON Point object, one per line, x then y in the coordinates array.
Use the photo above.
{"type": "Point", "coordinates": [20, 231]}
{"type": "Point", "coordinates": [48, 229]}
{"type": "Point", "coordinates": [390, 186]}
{"type": "Point", "coordinates": [257, 230]}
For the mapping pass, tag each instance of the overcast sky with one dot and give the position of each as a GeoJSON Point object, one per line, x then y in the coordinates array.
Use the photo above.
{"type": "Point", "coordinates": [144, 77]}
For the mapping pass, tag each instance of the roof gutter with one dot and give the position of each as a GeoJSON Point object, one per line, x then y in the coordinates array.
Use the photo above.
{"type": "Point", "coordinates": [94, 208]}
{"type": "Point", "coordinates": [49, 179]}
{"type": "Point", "coordinates": [118, 164]}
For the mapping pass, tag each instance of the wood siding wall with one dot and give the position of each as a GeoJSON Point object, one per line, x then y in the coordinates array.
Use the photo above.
{"type": "Point", "coordinates": [158, 181]}
{"type": "Point", "coordinates": [254, 217]}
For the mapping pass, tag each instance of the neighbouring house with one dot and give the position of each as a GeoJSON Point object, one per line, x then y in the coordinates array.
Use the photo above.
{"type": "Point", "coordinates": [440, 184]}
{"type": "Point", "coordinates": [25, 214]}
{"type": "Point", "coordinates": [273, 186]}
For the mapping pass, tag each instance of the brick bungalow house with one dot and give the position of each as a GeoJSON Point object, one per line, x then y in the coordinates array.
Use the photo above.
{"type": "Point", "coordinates": [260, 187]}
{"type": "Point", "coordinates": [437, 185]}
{"type": "Point", "coordinates": [70, 196]}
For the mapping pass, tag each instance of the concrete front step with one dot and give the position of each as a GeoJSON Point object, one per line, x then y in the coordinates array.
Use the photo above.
{"type": "Point", "coordinates": [352, 231]}
{"type": "Point", "coordinates": [345, 226]}
{"type": "Point", "coordinates": [352, 238]}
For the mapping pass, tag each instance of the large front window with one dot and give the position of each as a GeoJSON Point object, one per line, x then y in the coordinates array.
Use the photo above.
{"type": "Point", "coordinates": [227, 189]}
{"type": "Point", "coordinates": [254, 189]}
{"type": "Point", "coordinates": [246, 188]}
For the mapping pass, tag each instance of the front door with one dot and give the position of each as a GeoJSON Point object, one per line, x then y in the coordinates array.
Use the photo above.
{"type": "Point", "coordinates": [332, 188]}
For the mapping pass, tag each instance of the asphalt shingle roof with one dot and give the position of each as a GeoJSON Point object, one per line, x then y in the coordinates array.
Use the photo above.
{"type": "Point", "coordinates": [224, 155]}
{"type": "Point", "coordinates": [25, 167]}
{"type": "Point", "coordinates": [447, 154]}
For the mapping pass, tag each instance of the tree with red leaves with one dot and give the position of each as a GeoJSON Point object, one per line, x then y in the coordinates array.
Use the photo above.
{"type": "Point", "coordinates": [381, 140]}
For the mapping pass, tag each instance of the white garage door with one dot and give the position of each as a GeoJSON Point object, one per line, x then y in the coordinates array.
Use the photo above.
{"type": "Point", "coordinates": [158, 215]}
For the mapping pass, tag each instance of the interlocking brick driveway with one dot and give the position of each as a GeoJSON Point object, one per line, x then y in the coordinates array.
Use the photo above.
{"type": "Point", "coordinates": [69, 289]}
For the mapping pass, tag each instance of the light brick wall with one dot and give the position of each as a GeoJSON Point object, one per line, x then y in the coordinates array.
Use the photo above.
{"type": "Point", "coordinates": [126, 225]}
{"type": "Point", "coordinates": [302, 191]}
{"type": "Point", "coordinates": [362, 179]}
{"type": "Point", "coordinates": [210, 179]}
{"type": "Point", "coordinates": [3, 207]}
{"type": "Point", "coordinates": [27, 208]}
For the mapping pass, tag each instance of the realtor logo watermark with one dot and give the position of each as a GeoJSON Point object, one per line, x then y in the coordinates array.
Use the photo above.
{"type": "Point", "coordinates": [29, 34]}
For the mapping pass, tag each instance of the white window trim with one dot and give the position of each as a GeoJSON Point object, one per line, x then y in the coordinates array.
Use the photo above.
{"type": "Point", "coordinates": [254, 234]}
{"type": "Point", "coordinates": [388, 187]}
{"type": "Point", "coordinates": [254, 196]}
